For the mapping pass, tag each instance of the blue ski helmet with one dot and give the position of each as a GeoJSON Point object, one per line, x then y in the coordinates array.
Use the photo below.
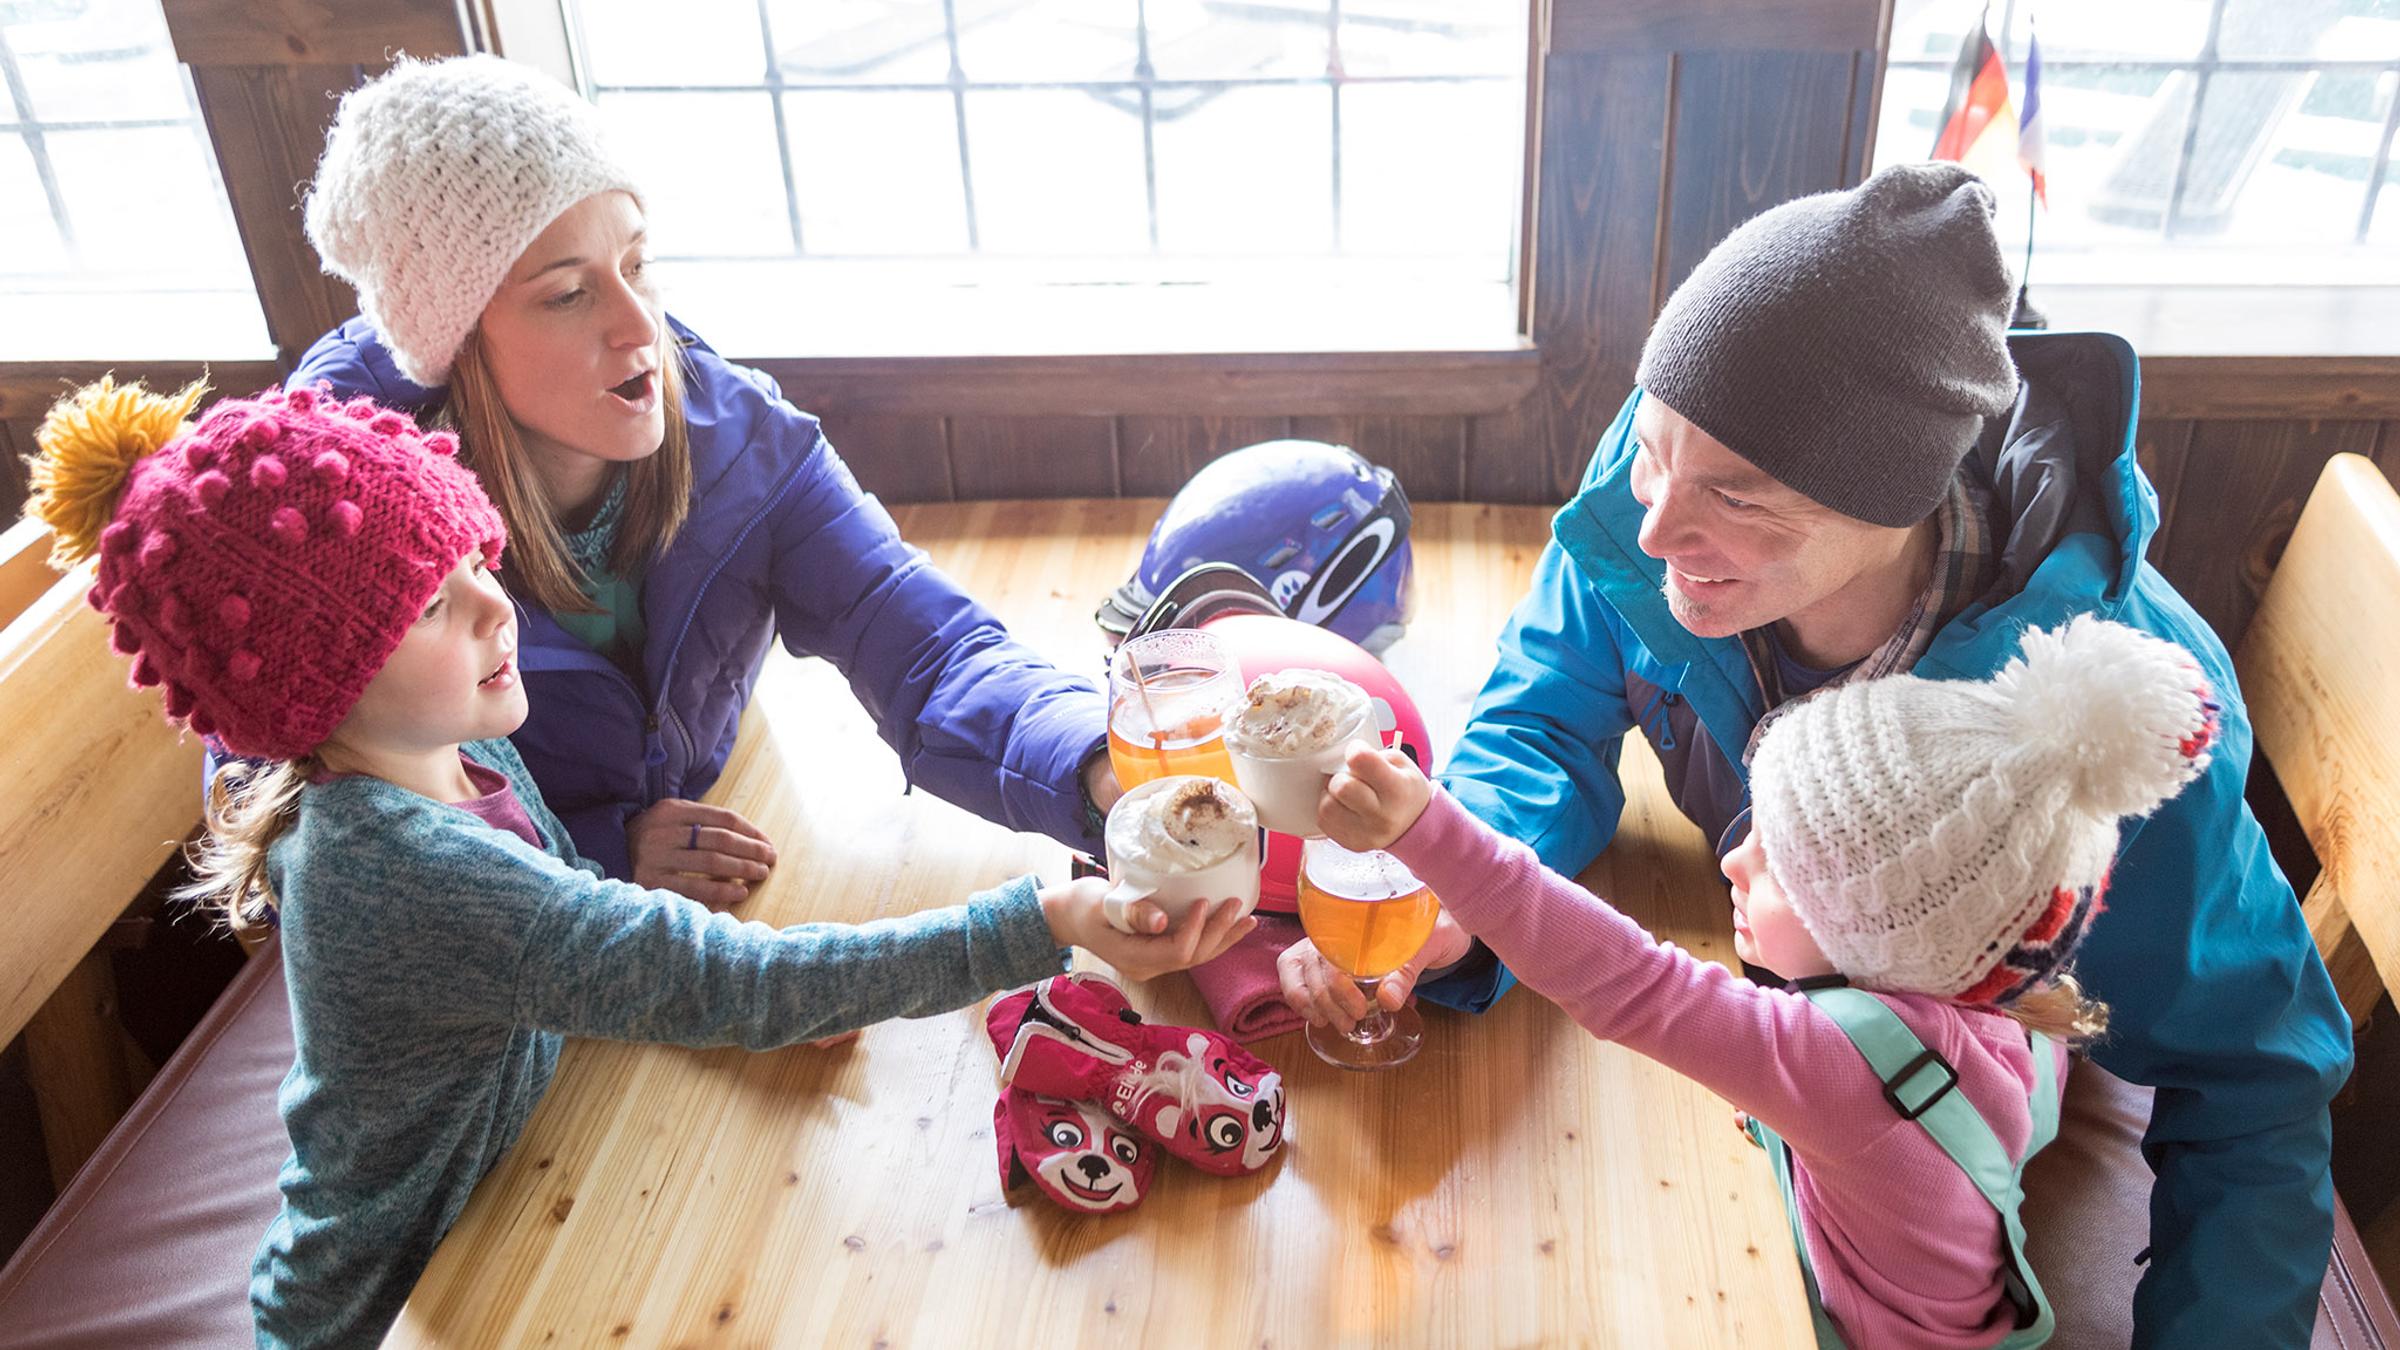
{"type": "Point", "coordinates": [1322, 529]}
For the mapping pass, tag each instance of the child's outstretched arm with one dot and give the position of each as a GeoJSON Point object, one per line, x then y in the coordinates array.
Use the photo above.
{"type": "Point", "coordinates": [1767, 1051]}
{"type": "Point", "coordinates": [621, 962]}
{"type": "Point", "coordinates": [477, 927]}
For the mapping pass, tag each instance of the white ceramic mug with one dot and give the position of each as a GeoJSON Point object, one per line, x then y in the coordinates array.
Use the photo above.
{"type": "Point", "coordinates": [1286, 789]}
{"type": "Point", "coordinates": [1176, 891]}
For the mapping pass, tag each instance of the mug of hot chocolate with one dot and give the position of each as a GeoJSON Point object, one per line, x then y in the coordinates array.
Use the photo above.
{"type": "Point", "coordinates": [1179, 841]}
{"type": "Point", "coordinates": [1288, 737]}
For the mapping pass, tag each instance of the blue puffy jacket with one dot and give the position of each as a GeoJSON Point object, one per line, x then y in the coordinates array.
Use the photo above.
{"type": "Point", "coordinates": [780, 540]}
{"type": "Point", "coordinates": [2218, 997]}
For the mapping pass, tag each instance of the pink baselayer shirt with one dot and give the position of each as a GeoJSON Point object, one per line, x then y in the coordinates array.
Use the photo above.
{"type": "Point", "coordinates": [1905, 1250]}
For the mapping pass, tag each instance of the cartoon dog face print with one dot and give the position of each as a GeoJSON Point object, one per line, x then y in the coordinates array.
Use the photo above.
{"type": "Point", "coordinates": [1085, 1158]}
{"type": "Point", "coordinates": [1232, 1115]}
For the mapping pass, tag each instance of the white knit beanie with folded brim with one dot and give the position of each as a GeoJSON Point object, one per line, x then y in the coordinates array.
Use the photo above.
{"type": "Point", "coordinates": [1953, 838]}
{"type": "Point", "coordinates": [435, 178]}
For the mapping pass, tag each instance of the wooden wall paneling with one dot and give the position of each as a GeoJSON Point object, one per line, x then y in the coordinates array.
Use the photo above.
{"type": "Point", "coordinates": [1033, 457]}
{"type": "Point", "coordinates": [1236, 384]}
{"type": "Point", "coordinates": [1678, 25]}
{"type": "Point", "coordinates": [16, 442]}
{"type": "Point", "coordinates": [1753, 129]}
{"type": "Point", "coordinates": [2240, 493]}
{"type": "Point", "coordinates": [1158, 455]}
{"type": "Point", "coordinates": [1509, 455]}
{"type": "Point", "coordinates": [268, 123]}
{"type": "Point", "coordinates": [899, 459]}
{"type": "Point", "coordinates": [28, 390]}
{"type": "Point", "coordinates": [269, 74]}
{"type": "Point", "coordinates": [1602, 166]}
{"type": "Point", "coordinates": [2217, 388]}
{"type": "Point", "coordinates": [2163, 447]}
{"type": "Point", "coordinates": [311, 32]}
{"type": "Point", "coordinates": [1429, 454]}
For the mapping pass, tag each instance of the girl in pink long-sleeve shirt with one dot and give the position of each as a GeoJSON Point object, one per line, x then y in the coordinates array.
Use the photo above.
{"type": "Point", "coordinates": [1943, 845]}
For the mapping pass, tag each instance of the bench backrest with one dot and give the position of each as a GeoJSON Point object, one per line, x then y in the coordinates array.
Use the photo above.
{"type": "Point", "coordinates": [2320, 667]}
{"type": "Point", "coordinates": [25, 570]}
{"type": "Point", "coordinates": [99, 790]}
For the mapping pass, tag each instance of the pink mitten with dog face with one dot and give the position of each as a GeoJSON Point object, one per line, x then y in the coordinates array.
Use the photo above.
{"type": "Point", "coordinates": [1197, 1094]}
{"type": "Point", "coordinates": [1074, 1152]}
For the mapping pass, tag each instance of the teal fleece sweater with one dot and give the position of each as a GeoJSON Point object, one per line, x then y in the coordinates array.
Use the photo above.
{"type": "Point", "coordinates": [435, 965]}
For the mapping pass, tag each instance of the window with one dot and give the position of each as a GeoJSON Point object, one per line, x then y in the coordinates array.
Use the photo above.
{"type": "Point", "coordinates": [871, 176]}
{"type": "Point", "coordinates": [116, 240]}
{"type": "Point", "coordinates": [2243, 142]}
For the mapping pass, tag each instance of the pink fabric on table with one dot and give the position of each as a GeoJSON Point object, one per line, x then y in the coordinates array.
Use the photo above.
{"type": "Point", "coordinates": [1243, 996]}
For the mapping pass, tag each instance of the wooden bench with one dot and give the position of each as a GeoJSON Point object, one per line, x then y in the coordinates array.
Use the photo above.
{"type": "Point", "coordinates": [161, 1198]}
{"type": "Point", "coordinates": [2321, 669]}
{"type": "Point", "coordinates": [102, 792]}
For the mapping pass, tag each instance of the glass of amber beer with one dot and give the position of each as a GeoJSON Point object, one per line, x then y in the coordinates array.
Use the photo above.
{"type": "Point", "coordinates": [1168, 694]}
{"type": "Point", "coordinates": [1368, 915]}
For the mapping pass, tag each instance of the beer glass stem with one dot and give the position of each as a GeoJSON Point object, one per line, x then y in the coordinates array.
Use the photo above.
{"type": "Point", "coordinates": [1377, 1024]}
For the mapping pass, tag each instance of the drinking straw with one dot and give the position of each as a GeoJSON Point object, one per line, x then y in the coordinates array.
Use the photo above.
{"type": "Point", "coordinates": [1158, 737]}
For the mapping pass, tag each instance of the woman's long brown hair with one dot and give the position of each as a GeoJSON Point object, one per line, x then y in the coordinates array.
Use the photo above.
{"type": "Point", "coordinates": [658, 487]}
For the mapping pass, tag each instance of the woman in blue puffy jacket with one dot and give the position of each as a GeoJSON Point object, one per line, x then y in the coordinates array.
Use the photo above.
{"type": "Point", "coordinates": [669, 512]}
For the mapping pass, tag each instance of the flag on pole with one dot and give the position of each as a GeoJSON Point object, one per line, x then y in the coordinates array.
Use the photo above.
{"type": "Point", "coordinates": [2031, 151]}
{"type": "Point", "coordinates": [1979, 127]}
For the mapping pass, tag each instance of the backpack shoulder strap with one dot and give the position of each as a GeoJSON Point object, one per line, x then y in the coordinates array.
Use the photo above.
{"type": "Point", "coordinates": [1922, 1086]}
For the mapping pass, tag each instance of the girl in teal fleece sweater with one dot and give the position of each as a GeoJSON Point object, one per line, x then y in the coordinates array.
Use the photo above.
{"type": "Point", "coordinates": [311, 583]}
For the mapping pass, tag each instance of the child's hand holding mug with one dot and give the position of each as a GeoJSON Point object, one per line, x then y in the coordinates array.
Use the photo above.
{"type": "Point", "coordinates": [1374, 800]}
{"type": "Point", "coordinates": [1078, 918]}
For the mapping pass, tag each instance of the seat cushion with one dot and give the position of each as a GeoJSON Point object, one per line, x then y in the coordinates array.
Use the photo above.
{"type": "Point", "coordinates": [150, 1244]}
{"type": "Point", "coordinates": [2354, 1310]}
{"type": "Point", "coordinates": [2087, 1209]}
{"type": "Point", "coordinates": [2087, 1215]}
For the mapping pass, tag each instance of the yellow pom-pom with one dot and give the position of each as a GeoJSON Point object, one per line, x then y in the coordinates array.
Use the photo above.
{"type": "Point", "coordinates": [89, 443]}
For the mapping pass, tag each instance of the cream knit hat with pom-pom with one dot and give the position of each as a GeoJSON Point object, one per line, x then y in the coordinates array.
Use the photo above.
{"type": "Point", "coordinates": [1954, 838]}
{"type": "Point", "coordinates": [435, 178]}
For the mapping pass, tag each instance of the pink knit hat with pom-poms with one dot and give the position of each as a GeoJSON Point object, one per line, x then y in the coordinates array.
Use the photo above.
{"type": "Point", "coordinates": [261, 566]}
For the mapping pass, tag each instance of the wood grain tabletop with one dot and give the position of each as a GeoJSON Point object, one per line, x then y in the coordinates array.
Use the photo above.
{"type": "Point", "coordinates": [1519, 1183]}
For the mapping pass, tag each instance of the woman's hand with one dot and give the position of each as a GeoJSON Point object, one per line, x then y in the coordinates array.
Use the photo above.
{"type": "Point", "coordinates": [1154, 947]}
{"type": "Point", "coordinates": [710, 853]}
{"type": "Point", "coordinates": [1100, 782]}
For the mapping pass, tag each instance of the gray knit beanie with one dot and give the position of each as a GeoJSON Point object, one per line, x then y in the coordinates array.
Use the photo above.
{"type": "Point", "coordinates": [1849, 343]}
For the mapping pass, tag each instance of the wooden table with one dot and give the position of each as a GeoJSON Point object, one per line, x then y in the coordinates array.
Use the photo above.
{"type": "Point", "coordinates": [1519, 1183]}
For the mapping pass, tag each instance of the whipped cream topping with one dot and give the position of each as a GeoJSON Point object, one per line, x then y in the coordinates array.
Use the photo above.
{"type": "Point", "coordinates": [1298, 712]}
{"type": "Point", "coordinates": [1179, 824]}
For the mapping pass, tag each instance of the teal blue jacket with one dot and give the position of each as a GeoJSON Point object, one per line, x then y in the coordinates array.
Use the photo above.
{"type": "Point", "coordinates": [2219, 1000]}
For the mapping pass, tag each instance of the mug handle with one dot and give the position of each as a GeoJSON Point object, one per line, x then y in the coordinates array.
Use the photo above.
{"type": "Point", "coordinates": [1119, 898]}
